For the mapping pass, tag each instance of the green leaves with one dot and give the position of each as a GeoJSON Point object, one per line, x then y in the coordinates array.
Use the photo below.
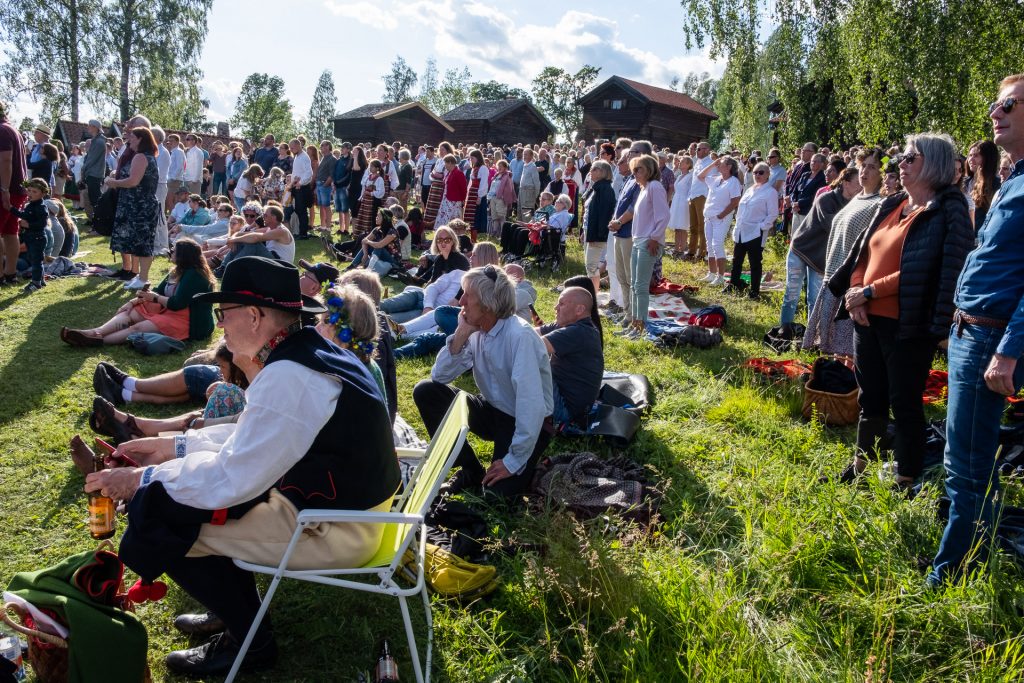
{"type": "Point", "coordinates": [398, 84]}
{"type": "Point", "coordinates": [557, 91]}
{"type": "Point", "coordinates": [318, 124]}
{"type": "Point", "coordinates": [262, 108]}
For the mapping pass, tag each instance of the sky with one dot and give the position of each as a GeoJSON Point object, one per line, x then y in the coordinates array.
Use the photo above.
{"type": "Point", "coordinates": [357, 40]}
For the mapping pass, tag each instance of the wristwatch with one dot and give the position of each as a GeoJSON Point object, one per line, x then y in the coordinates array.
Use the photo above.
{"type": "Point", "coordinates": [869, 291]}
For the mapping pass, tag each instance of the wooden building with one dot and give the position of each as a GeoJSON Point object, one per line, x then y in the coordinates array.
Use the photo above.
{"type": "Point", "coordinates": [500, 122]}
{"type": "Point", "coordinates": [410, 123]}
{"type": "Point", "coordinates": [620, 107]}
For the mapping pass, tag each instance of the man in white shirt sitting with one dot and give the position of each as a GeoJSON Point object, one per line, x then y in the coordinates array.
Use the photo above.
{"type": "Point", "coordinates": [511, 368]}
{"type": "Point", "coordinates": [315, 432]}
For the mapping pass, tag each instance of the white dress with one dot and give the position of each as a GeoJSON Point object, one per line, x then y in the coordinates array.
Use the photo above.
{"type": "Point", "coordinates": [679, 212]}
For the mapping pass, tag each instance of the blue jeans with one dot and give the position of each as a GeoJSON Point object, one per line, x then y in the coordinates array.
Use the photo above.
{"type": "Point", "coordinates": [797, 272]}
{"type": "Point", "coordinates": [422, 345]}
{"type": "Point", "coordinates": [219, 184]}
{"type": "Point", "coordinates": [641, 265]}
{"type": "Point", "coordinates": [405, 306]}
{"type": "Point", "coordinates": [35, 248]}
{"type": "Point", "coordinates": [560, 414]}
{"type": "Point", "coordinates": [447, 318]}
{"type": "Point", "coordinates": [323, 194]}
{"type": "Point", "coordinates": [340, 199]}
{"type": "Point", "coordinates": [973, 415]}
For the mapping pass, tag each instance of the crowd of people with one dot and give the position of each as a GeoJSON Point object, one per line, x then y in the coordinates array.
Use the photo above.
{"type": "Point", "coordinates": [898, 252]}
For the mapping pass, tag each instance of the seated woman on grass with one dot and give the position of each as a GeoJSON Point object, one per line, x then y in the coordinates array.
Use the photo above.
{"type": "Point", "coordinates": [351, 323]}
{"type": "Point", "coordinates": [169, 309]}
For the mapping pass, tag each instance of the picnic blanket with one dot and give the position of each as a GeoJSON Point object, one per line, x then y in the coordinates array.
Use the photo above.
{"type": "Point", "coordinates": [590, 486]}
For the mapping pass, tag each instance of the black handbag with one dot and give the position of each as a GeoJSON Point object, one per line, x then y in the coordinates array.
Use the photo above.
{"type": "Point", "coordinates": [104, 212]}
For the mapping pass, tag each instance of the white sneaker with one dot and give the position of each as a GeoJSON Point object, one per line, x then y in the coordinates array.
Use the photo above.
{"type": "Point", "coordinates": [135, 284]}
{"type": "Point", "coordinates": [718, 280]}
{"type": "Point", "coordinates": [709, 277]}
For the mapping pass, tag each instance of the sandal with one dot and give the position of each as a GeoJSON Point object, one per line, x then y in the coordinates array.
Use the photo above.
{"type": "Point", "coordinates": [104, 421]}
{"type": "Point", "coordinates": [82, 456]}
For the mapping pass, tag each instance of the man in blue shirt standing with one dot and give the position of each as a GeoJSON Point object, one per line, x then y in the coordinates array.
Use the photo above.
{"type": "Point", "coordinates": [985, 345]}
{"type": "Point", "coordinates": [622, 227]}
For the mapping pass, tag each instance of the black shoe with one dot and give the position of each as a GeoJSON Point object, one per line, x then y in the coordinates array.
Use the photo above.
{"type": "Point", "coordinates": [215, 657]}
{"type": "Point", "coordinates": [114, 372]}
{"type": "Point", "coordinates": [206, 624]}
{"type": "Point", "coordinates": [125, 275]}
{"type": "Point", "coordinates": [106, 387]}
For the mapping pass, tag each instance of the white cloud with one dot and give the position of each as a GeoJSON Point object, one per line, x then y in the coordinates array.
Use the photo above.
{"type": "Point", "coordinates": [222, 94]}
{"type": "Point", "coordinates": [364, 12]}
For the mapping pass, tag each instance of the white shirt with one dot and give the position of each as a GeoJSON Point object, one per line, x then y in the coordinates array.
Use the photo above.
{"type": "Point", "coordinates": [758, 209]}
{"type": "Point", "coordinates": [179, 211]}
{"type": "Point", "coordinates": [302, 169]}
{"type": "Point", "coordinates": [531, 176]}
{"type": "Point", "coordinates": [163, 164]}
{"type": "Point", "coordinates": [423, 168]}
{"type": "Point", "coordinates": [443, 289]}
{"type": "Point", "coordinates": [286, 406]}
{"type": "Point", "coordinates": [483, 174]}
{"type": "Point", "coordinates": [511, 367]}
{"type": "Point", "coordinates": [285, 252]}
{"type": "Point", "coordinates": [378, 185]}
{"type": "Point", "coordinates": [176, 170]}
{"type": "Point", "coordinates": [699, 188]}
{"type": "Point", "coordinates": [243, 188]}
{"type": "Point", "coordinates": [194, 165]}
{"type": "Point", "coordinates": [720, 193]}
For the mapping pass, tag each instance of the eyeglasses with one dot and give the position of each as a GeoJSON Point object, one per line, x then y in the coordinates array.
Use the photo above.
{"type": "Point", "coordinates": [908, 157]}
{"type": "Point", "coordinates": [250, 215]}
{"type": "Point", "coordinates": [444, 240]}
{"type": "Point", "coordinates": [761, 172]}
{"type": "Point", "coordinates": [219, 312]}
{"type": "Point", "coordinates": [1007, 105]}
{"type": "Point", "coordinates": [223, 210]}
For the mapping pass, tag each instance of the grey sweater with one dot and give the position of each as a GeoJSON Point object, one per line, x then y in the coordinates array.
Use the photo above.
{"type": "Point", "coordinates": [810, 240]}
{"type": "Point", "coordinates": [95, 164]}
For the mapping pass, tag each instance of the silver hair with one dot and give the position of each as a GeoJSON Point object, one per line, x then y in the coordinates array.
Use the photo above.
{"type": "Point", "coordinates": [603, 168]}
{"type": "Point", "coordinates": [939, 166]}
{"type": "Point", "coordinates": [565, 199]}
{"type": "Point", "coordinates": [497, 295]}
{"type": "Point", "coordinates": [138, 121]}
{"type": "Point", "coordinates": [731, 163]}
{"type": "Point", "coordinates": [158, 134]}
{"type": "Point", "coordinates": [763, 165]}
{"type": "Point", "coordinates": [643, 146]}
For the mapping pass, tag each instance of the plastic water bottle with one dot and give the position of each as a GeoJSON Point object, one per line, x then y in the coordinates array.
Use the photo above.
{"type": "Point", "coordinates": [10, 648]}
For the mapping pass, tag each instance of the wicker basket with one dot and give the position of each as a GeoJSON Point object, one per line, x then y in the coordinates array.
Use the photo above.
{"type": "Point", "coordinates": [837, 410]}
{"type": "Point", "coordinates": [47, 653]}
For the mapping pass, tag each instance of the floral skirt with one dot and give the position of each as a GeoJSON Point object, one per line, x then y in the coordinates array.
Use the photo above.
{"type": "Point", "coordinates": [448, 212]}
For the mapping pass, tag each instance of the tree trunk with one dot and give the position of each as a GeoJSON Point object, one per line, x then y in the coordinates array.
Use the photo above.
{"type": "Point", "coordinates": [125, 54]}
{"type": "Point", "coordinates": [75, 63]}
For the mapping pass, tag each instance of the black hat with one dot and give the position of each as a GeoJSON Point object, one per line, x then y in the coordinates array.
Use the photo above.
{"type": "Point", "coordinates": [323, 272]}
{"type": "Point", "coordinates": [264, 282]}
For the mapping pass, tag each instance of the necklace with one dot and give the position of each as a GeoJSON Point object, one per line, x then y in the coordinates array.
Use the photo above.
{"type": "Point", "coordinates": [260, 358]}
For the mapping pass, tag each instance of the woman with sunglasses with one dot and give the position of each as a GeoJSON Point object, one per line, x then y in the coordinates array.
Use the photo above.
{"type": "Point", "coordinates": [442, 275]}
{"type": "Point", "coordinates": [897, 285]}
{"type": "Point", "coordinates": [755, 215]}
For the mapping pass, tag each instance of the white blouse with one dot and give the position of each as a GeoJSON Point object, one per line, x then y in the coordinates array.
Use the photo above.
{"type": "Point", "coordinates": [758, 209]}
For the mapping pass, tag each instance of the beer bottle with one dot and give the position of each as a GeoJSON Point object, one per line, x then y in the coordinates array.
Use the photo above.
{"type": "Point", "coordinates": [537, 322]}
{"type": "Point", "coordinates": [387, 669]}
{"type": "Point", "coordinates": [102, 519]}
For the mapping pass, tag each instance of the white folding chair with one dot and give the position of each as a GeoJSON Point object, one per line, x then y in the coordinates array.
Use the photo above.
{"type": "Point", "coordinates": [404, 528]}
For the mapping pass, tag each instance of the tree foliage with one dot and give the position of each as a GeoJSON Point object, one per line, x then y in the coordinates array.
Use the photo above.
{"type": "Point", "coordinates": [51, 52]}
{"type": "Point", "coordinates": [318, 124]}
{"type": "Point", "coordinates": [701, 87]}
{"type": "Point", "coordinates": [860, 70]}
{"type": "Point", "coordinates": [399, 82]}
{"type": "Point", "coordinates": [453, 89]}
{"type": "Point", "coordinates": [151, 46]}
{"type": "Point", "coordinates": [262, 108]}
{"type": "Point", "coordinates": [557, 92]}
{"type": "Point", "coordinates": [494, 90]}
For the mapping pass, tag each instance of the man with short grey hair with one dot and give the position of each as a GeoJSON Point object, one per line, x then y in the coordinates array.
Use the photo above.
{"type": "Point", "coordinates": [94, 168]}
{"type": "Point", "coordinates": [511, 368]}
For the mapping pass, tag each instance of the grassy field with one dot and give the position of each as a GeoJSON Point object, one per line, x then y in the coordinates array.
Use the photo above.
{"type": "Point", "coordinates": [759, 573]}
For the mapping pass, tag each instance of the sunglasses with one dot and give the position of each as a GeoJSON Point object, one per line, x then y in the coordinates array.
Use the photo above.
{"type": "Point", "coordinates": [908, 157]}
{"type": "Point", "coordinates": [444, 240]}
{"type": "Point", "coordinates": [761, 172]}
{"type": "Point", "coordinates": [1007, 105]}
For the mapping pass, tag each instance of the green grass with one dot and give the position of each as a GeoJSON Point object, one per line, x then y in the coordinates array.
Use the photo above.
{"type": "Point", "coordinates": [758, 573]}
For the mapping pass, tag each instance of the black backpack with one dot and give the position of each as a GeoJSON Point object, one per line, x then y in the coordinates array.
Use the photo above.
{"type": "Point", "coordinates": [104, 211]}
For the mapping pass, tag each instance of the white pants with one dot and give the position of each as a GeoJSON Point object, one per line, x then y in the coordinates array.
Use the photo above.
{"type": "Point", "coordinates": [715, 230]}
{"type": "Point", "coordinates": [614, 290]}
{"type": "Point", "coordinates": [160, 243]}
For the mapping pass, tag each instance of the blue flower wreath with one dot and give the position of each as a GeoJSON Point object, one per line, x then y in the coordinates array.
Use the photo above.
{"type": "Point", "coordinates": [337, 317]}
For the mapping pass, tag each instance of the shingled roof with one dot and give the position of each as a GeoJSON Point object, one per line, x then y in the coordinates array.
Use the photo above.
{"type": "Point", "coordinates": [380, 110]}
{"type": "Point", "coordinates": [482, 110]}
{"type": "Point", "coordinates": [651, 93]}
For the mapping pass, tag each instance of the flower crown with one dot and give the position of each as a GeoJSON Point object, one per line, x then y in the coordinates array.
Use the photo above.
{"type": "Point", "coordinates": [338, 317]}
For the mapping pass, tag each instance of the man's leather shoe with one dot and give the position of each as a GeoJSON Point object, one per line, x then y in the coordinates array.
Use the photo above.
{"type": "Point", "coordinates": [106, 387]}
{"type": "Point", "coordinates": [215, 657]}
{"type": "Point", "coordinates": [206, 624]}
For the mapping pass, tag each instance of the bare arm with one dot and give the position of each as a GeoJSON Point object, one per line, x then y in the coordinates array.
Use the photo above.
{"type": "Point", "coordinates": [6, 168]}
{"type": "Point", "coordinates": [703, 174]}
{"type": "Point", "coordinates": [138, 169]}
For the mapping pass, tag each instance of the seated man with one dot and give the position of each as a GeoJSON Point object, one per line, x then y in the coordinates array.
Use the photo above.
{"type": "Point", "coordinates": [314, 433]}
{"type": "Point", "coordinates": [512, 371]}
{"type": "Point", "coordinates": [202, 232]}
{"type": "Point", "coordinates": [577, 359]}
{"type": "Point", "coordinates": [181, 207]}
{"type": "Point", "coordinates": [273, 240]}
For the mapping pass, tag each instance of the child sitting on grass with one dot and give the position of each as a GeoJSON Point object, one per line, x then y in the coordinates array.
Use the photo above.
{"type": "Point", "coordinates": [34, 219]}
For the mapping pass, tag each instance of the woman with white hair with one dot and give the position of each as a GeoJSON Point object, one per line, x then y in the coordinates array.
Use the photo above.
{"type": "Point", "coordinates": [758, 209]}
{"type": "Point", "coordinates": [724, 191]}
{"type": "Point", "coordinates": [897, 285]}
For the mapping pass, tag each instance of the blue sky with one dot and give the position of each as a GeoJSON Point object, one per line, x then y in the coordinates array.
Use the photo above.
{"type": "Point", "coordinates": [358, 39]}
